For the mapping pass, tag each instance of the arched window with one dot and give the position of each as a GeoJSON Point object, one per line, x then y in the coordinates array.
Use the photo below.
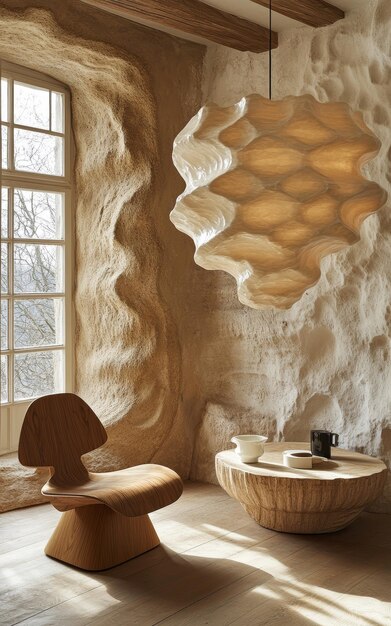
{"type": "Point", "coordinates": [36, 238]}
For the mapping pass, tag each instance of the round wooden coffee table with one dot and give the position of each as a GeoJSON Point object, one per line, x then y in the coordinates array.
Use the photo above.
{"type": "Point", "coordinates": [323, 499]}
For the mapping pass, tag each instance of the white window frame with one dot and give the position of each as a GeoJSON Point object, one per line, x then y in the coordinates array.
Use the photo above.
{"type": "Point", "coordinates": [12, 413]}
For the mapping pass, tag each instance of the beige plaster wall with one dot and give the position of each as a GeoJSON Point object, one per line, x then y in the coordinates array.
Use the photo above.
{"type": "Point", "coordinates": [132, 91]}
{"type": "Point", "coordinates": [326, 363]}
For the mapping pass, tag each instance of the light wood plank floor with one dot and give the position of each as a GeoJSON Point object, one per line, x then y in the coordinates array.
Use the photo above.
{"type": "Point", "coordinates": [215, 566]}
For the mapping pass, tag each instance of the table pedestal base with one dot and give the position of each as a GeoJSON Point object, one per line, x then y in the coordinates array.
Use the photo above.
{"type": "Point", "coordinates": [301, 522]}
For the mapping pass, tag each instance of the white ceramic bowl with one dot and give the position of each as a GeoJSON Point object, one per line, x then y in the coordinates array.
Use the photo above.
{"type": "Point", "coordinates": [249, 447]}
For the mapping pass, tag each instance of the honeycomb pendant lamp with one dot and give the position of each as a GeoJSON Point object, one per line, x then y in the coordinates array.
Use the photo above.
{"type": "Point", "coordinates": [272, 187]}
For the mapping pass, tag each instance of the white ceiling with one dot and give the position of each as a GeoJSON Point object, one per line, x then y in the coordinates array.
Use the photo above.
{"type": "Point", "coordinates": [250, 11]}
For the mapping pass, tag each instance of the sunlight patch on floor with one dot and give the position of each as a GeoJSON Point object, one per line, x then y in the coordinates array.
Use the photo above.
{"type": "Point", "coordinates": [325, 607]}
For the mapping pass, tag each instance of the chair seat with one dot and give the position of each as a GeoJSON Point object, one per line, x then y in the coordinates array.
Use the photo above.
{"type": "Point", "coordinates": [132, 492]}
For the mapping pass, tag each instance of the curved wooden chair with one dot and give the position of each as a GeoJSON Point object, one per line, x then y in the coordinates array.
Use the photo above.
{"type": "Point", "coordinates": [105, 520]}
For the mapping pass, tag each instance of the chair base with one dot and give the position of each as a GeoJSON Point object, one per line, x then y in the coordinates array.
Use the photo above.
{"type": "Point", "coordinates": [96, 537]}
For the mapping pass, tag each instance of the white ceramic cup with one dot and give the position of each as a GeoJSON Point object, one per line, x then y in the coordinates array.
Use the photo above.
{"type": "Point", "coordinates": [249, 447]}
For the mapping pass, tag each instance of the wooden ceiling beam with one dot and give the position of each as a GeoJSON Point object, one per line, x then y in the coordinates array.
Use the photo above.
{"type": "Point", "coordinates": [195, 18]}
{"type": "Point", "coordinates": [312, 12]}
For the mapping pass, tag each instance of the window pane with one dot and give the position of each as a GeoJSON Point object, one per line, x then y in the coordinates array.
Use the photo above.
{"type": "Point", "coordinates": [4, 324]}
{"type": "Point", "coordinates": [38, 152]}
{"type": "Point", "coordinates": [38, 322]}
{"type": "Point", "coordinates": [38, 268]}
{"type": "Point", "coordinates": [4, 100]}
{"type": "Point", "coordinates": [38, 373]}
{"type": "Point", "coordinates": [31, 106]}
{"type": "Point", "coordinates": [4, 378]}
{"type": "Point", "coordinates": [4, 268]}
{"type": "Point", "coordinates": [57, 112]}
{"type": "Point", "coordinates": [4, 211]}
{"type": "Point", "coordinates": [4, 147]}
{"type": "Point", "coordinates": [38, 214]}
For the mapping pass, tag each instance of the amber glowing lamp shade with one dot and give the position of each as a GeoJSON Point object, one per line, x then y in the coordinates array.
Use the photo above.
{"type": "Point", "coordinates": [271, 188]}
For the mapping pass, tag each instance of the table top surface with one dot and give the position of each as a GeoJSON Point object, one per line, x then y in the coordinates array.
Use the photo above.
{"type": "Point", "coordinates": [343, 463]}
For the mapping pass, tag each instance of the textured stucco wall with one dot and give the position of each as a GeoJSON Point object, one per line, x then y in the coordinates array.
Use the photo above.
{"type": "Point", "coordinates": [326, 363]}
{"type": "Point", "coordinates": [132, 90]}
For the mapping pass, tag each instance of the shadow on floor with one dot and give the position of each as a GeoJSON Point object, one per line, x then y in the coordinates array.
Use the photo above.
{"type": "Point", "coordinates": [285, 579]}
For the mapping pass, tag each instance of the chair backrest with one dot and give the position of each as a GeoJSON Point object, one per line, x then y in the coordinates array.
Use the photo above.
{"type": "Point", "coordinates": [56, 431]}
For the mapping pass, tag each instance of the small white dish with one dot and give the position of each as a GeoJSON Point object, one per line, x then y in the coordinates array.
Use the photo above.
{"type": "Point", "coordinates": [301, 459]}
